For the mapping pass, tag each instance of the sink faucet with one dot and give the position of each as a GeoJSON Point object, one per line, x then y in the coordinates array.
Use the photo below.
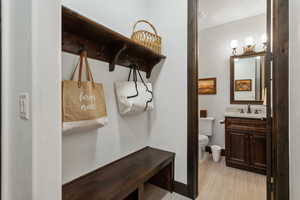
{"type": "Point", "coordinates": [249, 108]}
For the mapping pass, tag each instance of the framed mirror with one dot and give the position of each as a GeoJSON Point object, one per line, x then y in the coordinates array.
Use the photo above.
{"type": "Point", "coordinates": [247, 78]}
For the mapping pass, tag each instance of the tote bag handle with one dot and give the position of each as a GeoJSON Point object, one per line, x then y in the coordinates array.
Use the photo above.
{"type": "Point", "coordinates": [134, 71]}
{"type": "Point", "coordinates": [83, 61]}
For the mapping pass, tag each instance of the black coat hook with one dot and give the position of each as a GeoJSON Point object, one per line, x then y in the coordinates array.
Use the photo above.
{"type": "Point", "coordinates": [114, 61]}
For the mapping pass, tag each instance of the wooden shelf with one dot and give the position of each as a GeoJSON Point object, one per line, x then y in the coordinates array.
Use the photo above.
{"type": "Point", "coordinates": [101, 43]}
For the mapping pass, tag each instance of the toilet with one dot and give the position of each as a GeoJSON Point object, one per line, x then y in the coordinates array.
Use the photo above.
{"type": "Point", "coordinates": [205, 132]}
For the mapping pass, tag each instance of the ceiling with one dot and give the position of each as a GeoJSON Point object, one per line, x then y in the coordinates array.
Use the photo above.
{"type": "Point", "coordinates": [216, 12]}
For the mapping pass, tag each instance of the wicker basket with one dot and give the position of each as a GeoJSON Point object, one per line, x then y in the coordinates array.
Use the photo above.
{"type": "Point", "coordinates": [147, 39]}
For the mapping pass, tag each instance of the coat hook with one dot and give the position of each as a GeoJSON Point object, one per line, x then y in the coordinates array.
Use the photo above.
{"type": "Point", "coordinates": [112, 64]}
{"type": "Point", "coordinates": [82, 47]}
{"type": "Point", "coordinates": [100, 51]}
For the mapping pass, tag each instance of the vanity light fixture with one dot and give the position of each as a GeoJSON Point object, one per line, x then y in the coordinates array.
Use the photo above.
{"type": "Point", "coordinates": [249, 41]}
{"type": "Point", "coordinates": [234, 45]}
{"type": "Point", "coordinates": [250, 45]}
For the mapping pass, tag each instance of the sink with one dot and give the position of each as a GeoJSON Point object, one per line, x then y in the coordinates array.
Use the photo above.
{"type": "Point", "coordinates": [245, 115]}
{"type": "Point", "coordinates": [236, 112]}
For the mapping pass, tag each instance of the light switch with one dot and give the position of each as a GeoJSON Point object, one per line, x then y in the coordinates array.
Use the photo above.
{"type": "Point", "coordinates": [24, 106]}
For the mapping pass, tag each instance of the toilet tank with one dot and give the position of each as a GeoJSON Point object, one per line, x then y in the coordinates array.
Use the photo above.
{"type": "Point", "coordinates": [206, 126]}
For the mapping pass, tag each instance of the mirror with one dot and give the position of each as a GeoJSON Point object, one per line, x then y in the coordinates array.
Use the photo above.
{"type": "Point", "coordinates": [247, 78]}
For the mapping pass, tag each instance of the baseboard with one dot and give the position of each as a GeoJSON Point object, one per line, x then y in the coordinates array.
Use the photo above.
{"type": "Point", "coordinates": [181, 188]}
{"type": "Point", "coordinates": [208, 149]}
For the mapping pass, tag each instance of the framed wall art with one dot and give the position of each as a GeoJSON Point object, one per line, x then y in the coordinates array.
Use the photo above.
{"type": "Point", "coordinates": [243, 85]}
{"type": "Point", "coordinates": [207, 86]}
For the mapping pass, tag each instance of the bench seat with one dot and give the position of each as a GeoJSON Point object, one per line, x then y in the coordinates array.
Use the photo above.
{"type": "Point", "coordinates": [125, 178]}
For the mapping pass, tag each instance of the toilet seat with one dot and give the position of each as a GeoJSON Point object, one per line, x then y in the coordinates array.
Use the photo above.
{"type": "Point", "coordinates": [203, 140]}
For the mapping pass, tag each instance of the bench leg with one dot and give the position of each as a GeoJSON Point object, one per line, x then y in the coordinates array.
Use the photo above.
{"type": "Point", "coordinates": [141, 192]}
{"type": "Point", "coordinates": [138, 194]}
{"type": "Point", "coordinates": [165, 178]}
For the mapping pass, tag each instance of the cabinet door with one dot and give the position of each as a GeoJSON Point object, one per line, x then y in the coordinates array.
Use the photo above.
{"type": "Point", "coordinates": [258, 147]}
{"type": "Point", "coordinates": [237, 147]}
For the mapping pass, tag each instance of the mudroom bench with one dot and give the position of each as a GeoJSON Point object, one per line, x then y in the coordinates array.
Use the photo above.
{"type": "Point", "coordinates": [124, 179]}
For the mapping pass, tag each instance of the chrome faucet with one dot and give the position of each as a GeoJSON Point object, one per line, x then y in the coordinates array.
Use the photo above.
{"type": "Point", "coordinates": [249, 109]}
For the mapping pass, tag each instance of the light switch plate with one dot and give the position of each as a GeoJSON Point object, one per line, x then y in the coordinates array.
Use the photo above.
{"type": "Point", "coordinates": [24, 106]}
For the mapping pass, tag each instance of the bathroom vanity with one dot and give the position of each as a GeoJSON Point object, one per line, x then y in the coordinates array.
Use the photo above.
{"type": "Point", "coordinates": [245, 142]}
{"type": "Point", "coordinates": [246, 129]}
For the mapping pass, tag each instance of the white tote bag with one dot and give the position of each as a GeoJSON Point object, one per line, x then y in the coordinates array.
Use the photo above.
{"type": "Point", "coordinates": [134, 96]}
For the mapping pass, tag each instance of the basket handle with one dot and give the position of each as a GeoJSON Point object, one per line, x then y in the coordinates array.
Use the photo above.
{"type": "Point", "coordinates": [144, 21]}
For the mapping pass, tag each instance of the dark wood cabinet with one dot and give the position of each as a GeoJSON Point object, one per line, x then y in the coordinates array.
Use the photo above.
{"type": "Point", "coordinates": [238, 143]}
{"type": "Point", "coordinates": [258, 157]}
{"type": "Point", "coordinates": [246, 144]}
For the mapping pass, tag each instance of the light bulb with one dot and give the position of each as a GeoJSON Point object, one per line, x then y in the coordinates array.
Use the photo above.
{"type": "Point", "coordinates": [264, 38]}
{"type": "Point", "coordinates": [249, 41]}
{"type": "Point", "coordinates": [234, 44]}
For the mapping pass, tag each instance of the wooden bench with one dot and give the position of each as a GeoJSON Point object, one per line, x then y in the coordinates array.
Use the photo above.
{"type": "Point", "coordinates": [124, 179]}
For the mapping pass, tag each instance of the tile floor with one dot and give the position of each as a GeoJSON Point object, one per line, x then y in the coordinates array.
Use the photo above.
{"type": "Point", "coordinates": [218, 182]}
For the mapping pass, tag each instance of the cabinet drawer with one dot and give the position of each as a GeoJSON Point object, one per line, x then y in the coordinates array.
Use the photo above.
{"type": "Point", "coordinates": [243, 124]}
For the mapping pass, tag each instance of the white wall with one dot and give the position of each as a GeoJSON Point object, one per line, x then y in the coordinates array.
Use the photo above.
{"type": "Point", "coordinates": [168, 127]}
{"type": "Point", "coordinates": [46, 99]}
{"type": "Point", "coordinates": [31, 149]}
{"type": "Point", "coordinates": [16, 78]}
{"type": "Point", "coordinates": [116, 14]}
{"type": "Point", "coordinates": [215, 52]}
{"type": "Point", "coordinates": [83, 152]}
{"type": "Point", "coordinates": [294, 99]}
